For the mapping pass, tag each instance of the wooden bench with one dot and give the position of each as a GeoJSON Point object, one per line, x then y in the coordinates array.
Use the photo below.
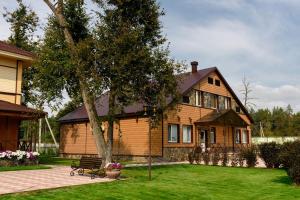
{"type": "Point", "coordinates": [87, 163]}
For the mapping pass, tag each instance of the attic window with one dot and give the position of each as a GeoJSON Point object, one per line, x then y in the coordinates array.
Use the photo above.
{"type": "Point", "coordinates": [217, 82]}
{"type": "Point", "coordinates": [186, 99]}
{"type": "Point", "coordinates": [210, 80]}
{"type": "Point", "coordinates": [238, 109]}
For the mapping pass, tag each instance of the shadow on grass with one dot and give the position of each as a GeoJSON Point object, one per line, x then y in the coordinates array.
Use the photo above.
{"type": "Point", "coordinates": [283, 180]}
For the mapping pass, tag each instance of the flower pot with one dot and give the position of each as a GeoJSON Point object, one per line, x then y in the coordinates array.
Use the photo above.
{"type": "Point", "coordinates": [114, 174]}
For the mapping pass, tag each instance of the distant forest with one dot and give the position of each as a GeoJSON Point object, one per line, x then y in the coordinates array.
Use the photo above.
{"type": "Point", "coordinates": [276, 122]}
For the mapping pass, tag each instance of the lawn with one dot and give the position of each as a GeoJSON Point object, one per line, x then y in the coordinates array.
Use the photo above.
{"type": "Point", "coordinates": [50, 160]}
{"type": "Point", "coordinates": [17, 168]}
{"type": "Point", "coordinates": [181, 182]}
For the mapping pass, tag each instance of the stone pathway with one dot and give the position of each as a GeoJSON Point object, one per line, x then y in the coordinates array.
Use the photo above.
{"type": "Point", "coordinates": [29, 180]}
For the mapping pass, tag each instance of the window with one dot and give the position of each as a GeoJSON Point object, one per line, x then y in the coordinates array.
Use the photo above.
{"type": "Point", "coordinates": [209, 100]}
{"type": "Point", "coordinates": [223, 103]}
{"type": "Point", "coordinates": [237, 136]}
{"type": "Point", "coordinates": [198, 98]}
{"type": "Point", "coordinates": [187, 133]}
{"type": "Point", "coordinates": [186, 99]}
{"type": "Point", "coordinates": [238, 109]}
{"type": "Point", "coordinates": [210, 80]}
{"type": "Point", "coordinates": [212, 135]}
{"type": "Point", "coordinates": [245, 136]}
{"type": "Point", "coordinates": [173, 133]}
{"type": "Point", "coordinates": [217, 82]}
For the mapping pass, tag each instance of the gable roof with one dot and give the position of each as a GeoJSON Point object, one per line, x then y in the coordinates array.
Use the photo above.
{"type": "Point", "coordinates": [186, 81]}
{"type": "Point", "coordinates": [15, 50]}
{"type": "Point", "coordinates": [228, 117]}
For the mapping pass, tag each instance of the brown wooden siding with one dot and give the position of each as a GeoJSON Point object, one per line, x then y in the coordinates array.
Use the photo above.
{"type": "Point", "coordinates": [9, 133]}
{"type": "Point", "coordinates": [78, 138]}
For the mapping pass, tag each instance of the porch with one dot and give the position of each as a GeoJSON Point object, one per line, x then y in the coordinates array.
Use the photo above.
{"type": "Point", "coordinates": [222, 129]}
{"type": "Point", "coordinates": [11, 116]}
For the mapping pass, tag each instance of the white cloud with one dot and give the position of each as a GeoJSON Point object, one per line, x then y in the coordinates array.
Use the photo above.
{"type": "Point", "coordinates": [269, 97]}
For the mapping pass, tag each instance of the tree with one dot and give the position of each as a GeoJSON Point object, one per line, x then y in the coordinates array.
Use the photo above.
{"type": "Point", "coordinates": [124, 54]}
{"type": "Point", "coordinates": [23, 22]}
{"type": "Point", "coordinates": [246, 92]}
{"type": "Point", "coordinates": [135, 66]}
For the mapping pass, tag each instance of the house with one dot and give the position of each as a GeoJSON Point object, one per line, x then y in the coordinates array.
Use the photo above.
{"type": "Point", "coordinates": [12, 62]}
{"type": "Point", "coordinates": [209, 115]}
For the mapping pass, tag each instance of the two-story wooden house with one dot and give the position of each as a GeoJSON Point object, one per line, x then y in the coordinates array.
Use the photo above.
{"type": "Point", "coordinates": [209, 115]}
{"type": "Point", "coordinates": [12, 62]}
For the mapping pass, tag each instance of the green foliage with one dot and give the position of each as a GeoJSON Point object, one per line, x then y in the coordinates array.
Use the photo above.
{"type": "Point", "coordinates": [250, 155]}
{"type": "Point", "coordinates": [134, 63]}
{"type": "Point", "coordinates": [55, 71]}
{"type": "Point", "coordinates": [276, 122]}
{"type": "Point", "coordinates": [269, 152]}
{"type": "Point", "coordinates": [290, 158]}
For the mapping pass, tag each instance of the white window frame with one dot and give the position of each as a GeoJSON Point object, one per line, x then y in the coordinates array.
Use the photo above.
{"type": "Point", "coordinates": [187, 133]}
{"type": "Point", "coordinates": [244, 136]}
{"type": "Point", "coordinates": [213, 135]}
{"type": "Point", "coordinates": [198, 98]}
{"type": "Point", "coordinates": [237, 136]}
{"type": "Point", "coordinates": [172, 133]}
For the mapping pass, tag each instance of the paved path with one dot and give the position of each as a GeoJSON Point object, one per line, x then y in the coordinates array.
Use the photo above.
{"type": "Point", "coordinates": [28, 180]}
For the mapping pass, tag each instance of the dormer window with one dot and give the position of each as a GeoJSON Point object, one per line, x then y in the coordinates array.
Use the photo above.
{"type": "Point", "coordinates": [186, 99]}
{"type": "Point", "coordinates": [217, 82]}
{"type": "Point", "coordinates": [210, 80]}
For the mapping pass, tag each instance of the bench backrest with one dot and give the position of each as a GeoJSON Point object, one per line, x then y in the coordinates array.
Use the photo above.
{"type": "Point", "coordinates": [90, 162]}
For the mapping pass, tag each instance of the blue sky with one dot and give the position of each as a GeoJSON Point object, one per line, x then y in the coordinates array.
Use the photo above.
{"type": "Point", "coordinates": [258, 38]}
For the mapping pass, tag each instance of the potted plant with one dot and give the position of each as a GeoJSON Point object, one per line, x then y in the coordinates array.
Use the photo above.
{"type": "Point", "coordinates": [113, 170]}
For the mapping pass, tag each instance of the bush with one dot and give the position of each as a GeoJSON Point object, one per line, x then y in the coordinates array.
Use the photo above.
{"type": "Point", "coordinates": [289, 151]}
{"type": "Point", "coordinates": [269, 152]}
{"type": "Point", "coordinates": [224, 157]}
{"type": "Point", "coordinates": [215, 157]}
{"type": "Point", "coordinates": [195, 155]}
{"type": "Point", "coordinates": [234, 160]}
{"type": "Point", "coordinates": [250, 155]}
{"type": "Point", "coordinates": [290, 159]}
{"type": "Point", "coordinates": [206, 157]}
{"type": "Point", "coordinates": [294, 171]}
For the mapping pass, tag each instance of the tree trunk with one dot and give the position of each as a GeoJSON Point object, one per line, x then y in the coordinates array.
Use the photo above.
{"type": "Point", "coordinates": [110, 132]}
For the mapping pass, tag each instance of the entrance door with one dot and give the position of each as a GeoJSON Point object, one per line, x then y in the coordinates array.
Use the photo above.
{"type": "Point", "coordinates": [203, 139]}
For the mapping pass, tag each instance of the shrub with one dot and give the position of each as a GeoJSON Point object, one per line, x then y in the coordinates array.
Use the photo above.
{"type": "Point", "coordinates": [215, 158]}
{"type": "Point", "coordinates": [206, 157]}
{"type": "Point", "coordinates": [224, 157]}
{"type": "Point", "coordinates": [288, 153]}
{"type": "Point", "coordinates": [191, 157]}
{"type": "Point", "coordinates": [269, 152]}
{"type": "Point", "coordinates": [234, 160]}
{"type": "Point", "coordinates": [294, 170]}
{"type": "Point", "coordinates": [250, 155]}
{"type": "Point", "coordinates": [290, 158]}
{"type": "Point", "coordinates": [195, 155]}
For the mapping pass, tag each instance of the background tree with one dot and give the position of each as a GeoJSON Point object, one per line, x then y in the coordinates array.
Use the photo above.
{"type": "Point", "coordinates": [23, 24]}
{"type": "Point", "coordinates": [246, 92]}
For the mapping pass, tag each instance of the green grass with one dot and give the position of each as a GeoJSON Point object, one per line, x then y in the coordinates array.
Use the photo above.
{"type": "Point", "coordinates": [49, 160]}
{"type": "Point", "coordinates": [181, 182]}
{"type": "Point", "coordinates": [17, 168]}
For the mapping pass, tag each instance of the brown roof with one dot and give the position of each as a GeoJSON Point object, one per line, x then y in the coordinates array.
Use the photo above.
{"type": "Point", "coordinates": [185, 82]}
{"type": "Point", "coordinates": [227, 117]}
{"type": "Point", "coordinates": [19, 111]}
{"type": "Point", "coordinates": [13, 49]}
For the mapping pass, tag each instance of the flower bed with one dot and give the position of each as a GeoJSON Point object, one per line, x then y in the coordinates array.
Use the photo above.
{"type": "Point", "coordinates": [10, 158]}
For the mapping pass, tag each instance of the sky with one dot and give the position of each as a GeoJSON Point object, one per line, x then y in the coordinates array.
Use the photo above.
{"type": "Point", "coordinates": [258, 39]}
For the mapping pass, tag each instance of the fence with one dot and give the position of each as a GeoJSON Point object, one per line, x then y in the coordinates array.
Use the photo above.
{"type": "Point", "coordinates": [279, 140]}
